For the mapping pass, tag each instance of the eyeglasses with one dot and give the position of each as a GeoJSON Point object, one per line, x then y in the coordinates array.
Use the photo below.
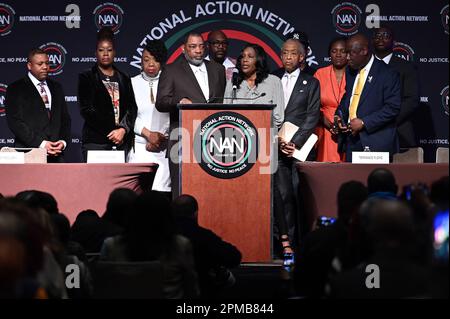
{"type": "Point", "coordinates": [382, 35]}
{"type": "Point", "coordinates": [218, 43]}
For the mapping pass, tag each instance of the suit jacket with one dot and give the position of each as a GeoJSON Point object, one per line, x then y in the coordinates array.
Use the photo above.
{"type": "Point", "coordinates": [97, 111]}
{"type": "Point", "coordinates": [177, 81]}
{"type": "Point", "coordinates": [378, 107]}
{"type": "Point", "coordinates": [409, 90]}
{"type": "Point", "coordinates": [303, 108]}
{"type": "Point", "coordinates": [27, 116]}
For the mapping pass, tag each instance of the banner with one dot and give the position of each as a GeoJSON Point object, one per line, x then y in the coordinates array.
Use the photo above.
{"type": "Point", "coordinates": [67, 31]}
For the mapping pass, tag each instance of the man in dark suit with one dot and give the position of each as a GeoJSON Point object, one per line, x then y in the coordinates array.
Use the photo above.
{"type": "Point", "coordinates": [191, 79]}
{"type": "Point", "coordinates": [369, 108]}
{"type": "Point", "coordinates": [383, 43]}
{"type": "Point", "coordinates": [302, 108]}
{"type": "Point", "coordinates": [36, 109]}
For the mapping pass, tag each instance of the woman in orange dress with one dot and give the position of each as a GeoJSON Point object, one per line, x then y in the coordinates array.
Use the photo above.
{"type": "Point", "coordinates": [332, 88]}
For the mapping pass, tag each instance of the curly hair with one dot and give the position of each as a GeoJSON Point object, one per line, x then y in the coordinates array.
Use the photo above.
{"type": "Point", "coordinates": [158, 49]}
{"type": "Point", "coordinates": [106, 34]}
{"type": "Point", "coordinates": [262, 68]}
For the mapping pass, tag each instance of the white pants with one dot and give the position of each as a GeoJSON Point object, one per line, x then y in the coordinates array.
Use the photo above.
{"type": "Point", "coordinates": [161, 183]}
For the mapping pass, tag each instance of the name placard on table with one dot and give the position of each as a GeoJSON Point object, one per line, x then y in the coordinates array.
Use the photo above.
{"type": "Point", "coordinates": [12, 158]}
{"type": "Point", "coordinates": [370, 157]}
{"type": "Point", "coordinates": [106, 157]}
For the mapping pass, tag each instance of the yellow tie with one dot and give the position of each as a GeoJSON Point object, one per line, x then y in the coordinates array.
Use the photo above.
{"type": "Point", "coordinates": [357, 95]}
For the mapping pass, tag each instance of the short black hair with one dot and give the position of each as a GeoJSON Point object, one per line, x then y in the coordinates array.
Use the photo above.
{"type": "Point", "coordinates": [106, 34]}
{"type": "Point", "coordinates": [158, 49]}
{"type": "Point", "coordinates": [381, 180]}
{"type": "Point", "coordinates": [335, 40]}
{"type": "Point", "coordinates": [35, 51]}
{"type": "Point", "coordinates": [184, 206]}
{"type": "Point", "coordinates": [349, 198]}
{"type": "Point", "coordinates": [192, 34]}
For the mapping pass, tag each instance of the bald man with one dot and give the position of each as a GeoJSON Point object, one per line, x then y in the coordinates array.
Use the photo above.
{"type": "Point", "coordinates": [368, 111]}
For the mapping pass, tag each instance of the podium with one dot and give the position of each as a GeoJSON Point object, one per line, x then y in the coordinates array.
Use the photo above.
{"type": "Point", "coordinates": [226, 164]}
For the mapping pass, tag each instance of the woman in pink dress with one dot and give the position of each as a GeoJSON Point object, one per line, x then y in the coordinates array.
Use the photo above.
{"type": "Point", "coordinates": [332, 88]}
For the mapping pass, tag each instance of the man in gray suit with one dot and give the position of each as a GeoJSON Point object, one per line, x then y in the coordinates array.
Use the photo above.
{"type": "Point", "coordinates": [190, 79]}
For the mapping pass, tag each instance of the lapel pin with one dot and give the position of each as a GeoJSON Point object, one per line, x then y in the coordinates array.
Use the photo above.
{"type": "Point", "coordinates": [305, 82]}
{"type": "Point", "coordinates": [369, 79]}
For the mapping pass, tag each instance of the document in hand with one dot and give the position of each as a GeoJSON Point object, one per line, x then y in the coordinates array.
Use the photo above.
{"type": "Point", "coordinates": [288, 131]}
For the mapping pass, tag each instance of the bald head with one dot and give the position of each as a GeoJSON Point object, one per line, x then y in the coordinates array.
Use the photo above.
{"type": "Point", "coordinates": [387, 222]}
{"type": "Point", "coordinates": [358, 51]}
{"type": "Point", "coordinates": [382, 180]}
{"type": "Point", "coordinates": [360, 40]}
{"type": "Point", "coordinates": [218, 46]}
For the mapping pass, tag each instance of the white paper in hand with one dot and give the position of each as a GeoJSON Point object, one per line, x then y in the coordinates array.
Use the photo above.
{"type": "Point", "coordinates": [303, 153]}
{"type": "Point", "coordinates": [287, 131]}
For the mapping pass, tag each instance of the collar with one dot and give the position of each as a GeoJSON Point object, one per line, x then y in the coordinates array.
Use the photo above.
{"type": "Point", "coordinates": [294, 74]}
{"type": "Point", "coordinates": [368, 65]}
{"type": "Point", "coordinates": [201, 67]}
{"type": "Point", "coordinates": [386, 59]}
{"type": "Point", "coordinates": [150, 79]}
{"type": "Point", "coordinates": [35, 81]}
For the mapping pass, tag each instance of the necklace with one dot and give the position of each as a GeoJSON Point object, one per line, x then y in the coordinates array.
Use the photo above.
{"type": "Point", "coordinates": [339, 86]}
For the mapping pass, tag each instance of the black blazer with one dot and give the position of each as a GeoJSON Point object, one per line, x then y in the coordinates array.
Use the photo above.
{"type": "Point", "coordinates": [303, 108]}
{"type": "Point", "coordinates": [97, 111]}
{"type": "Point", "coordinates": [177, 81]}
{"type": "Point", "coordinates": [409, 90]}
{"type": "Point", "coordinates": [28, 119]}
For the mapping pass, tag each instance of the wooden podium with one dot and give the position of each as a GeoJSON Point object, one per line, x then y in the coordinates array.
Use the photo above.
{"type": "Point", "coordinates": [226, 164]}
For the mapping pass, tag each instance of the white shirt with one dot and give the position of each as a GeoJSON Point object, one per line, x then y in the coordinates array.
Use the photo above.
{"type": "Point", "coordinates": [288, 81]}
{"type": "Point", "coordinates": [148, 116]}
{"type": "Point", "coordinates": [366, 73]}
{"type": "Point", "coordinates": [386, 59]}
{"type": "Point", "coordinates": [201, 74]}
{"type": "Point", "coordinates": [229, 66]}
{"type": "Point", "coordinates": [38, 88]}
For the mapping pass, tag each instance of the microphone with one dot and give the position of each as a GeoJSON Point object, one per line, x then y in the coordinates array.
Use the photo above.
{"type": "Point", "coordinates": [234, 81]}
{"type": "Point", "coordinates": [210, 100]}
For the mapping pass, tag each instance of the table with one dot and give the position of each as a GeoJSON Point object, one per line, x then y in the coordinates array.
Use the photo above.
{"type": "Point", "coordinates": [76, 187]}
{"type": "Point", "coordinates": [320, 182]}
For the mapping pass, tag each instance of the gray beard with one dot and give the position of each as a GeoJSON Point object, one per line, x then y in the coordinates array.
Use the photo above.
{"type": "Point", "coordinates": [196, 62]}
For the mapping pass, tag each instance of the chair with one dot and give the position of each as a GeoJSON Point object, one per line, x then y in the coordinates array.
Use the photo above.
{"type": "Point", "coordinates": [442, 155]}
{"type": "Point", "coordinates": [411, 155]}
{"type": "Point", "coordinates": [128, 280]}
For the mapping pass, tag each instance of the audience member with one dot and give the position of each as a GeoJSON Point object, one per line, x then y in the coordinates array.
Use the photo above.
{"type": "Point", "coordinates": [151, 235]}
{"type": "Point", "coordinates": [213, 256]}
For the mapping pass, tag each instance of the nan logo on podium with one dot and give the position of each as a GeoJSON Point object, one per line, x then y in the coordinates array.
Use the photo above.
{"type": "Point", "coordinates": [226, 145]}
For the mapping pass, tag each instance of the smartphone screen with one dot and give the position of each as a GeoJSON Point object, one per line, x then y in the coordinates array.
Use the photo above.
{"type": "Point", "coordinates": [440, 227]}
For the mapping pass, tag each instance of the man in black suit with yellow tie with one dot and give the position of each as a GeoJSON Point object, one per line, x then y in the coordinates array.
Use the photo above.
{"type": "Point", "coordinates": [36, 110]}
{"type": "Point", "coordinates": [190, 79]}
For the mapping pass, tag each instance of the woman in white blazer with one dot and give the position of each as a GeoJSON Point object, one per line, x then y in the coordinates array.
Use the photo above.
{"type": "Point", "coordinates": [151, 127]}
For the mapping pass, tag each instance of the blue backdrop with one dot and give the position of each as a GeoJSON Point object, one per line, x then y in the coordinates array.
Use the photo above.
{"type": "Point", "coordinates": [67, 31]}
